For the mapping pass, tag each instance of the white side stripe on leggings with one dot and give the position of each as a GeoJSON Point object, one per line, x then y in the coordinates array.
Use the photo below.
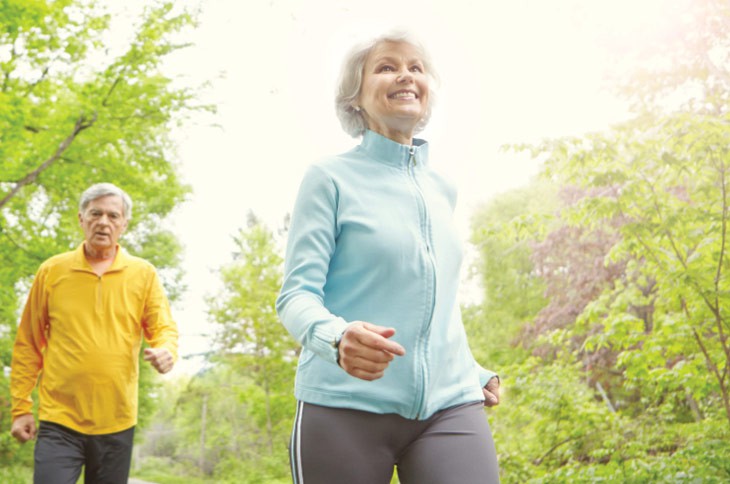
{"type": "Point", "coordinates": [296, 452]}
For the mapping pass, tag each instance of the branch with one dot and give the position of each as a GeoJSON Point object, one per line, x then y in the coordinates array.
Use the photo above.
{"type": "Point", "coordinates": [81, 124]}
{"type": "Point", "coordinates": [666, 231]}
{"type": "Point", "coordinates": [693, 405]}
{"type": "Point", "coordinates": [721, 258]}
{"type": "Point", "coordinates": [102, 169]}
{"type": "Point", "coordinates": [111, 90]}
{"type": "Point", "coordinates": [38, 81]}
{"type": "Point", "coordinates": [539, 460]}
{"type": "Point", "coordinates": [698, 338]}
{"type": "Point", "coordinates": [708, 358]}
{"type": "Point", "coordinates": [714, 308]}
{"type": "Point", "coordinates": [723, 186]}
{"type": "Point", "coordinates": [604, 395]}
{"type": "Point", "coordinates": [712, 365]}
{"type": "Point", "coordinates": [7, 235]}
{"type": "Point", "coordinates": [720, 378]}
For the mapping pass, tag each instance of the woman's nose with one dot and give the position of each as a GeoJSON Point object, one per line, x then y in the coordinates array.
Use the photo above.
{"type": "Point", "coordinates": [405, 76]}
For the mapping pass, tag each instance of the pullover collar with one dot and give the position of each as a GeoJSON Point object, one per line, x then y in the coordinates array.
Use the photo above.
{"type": "Point", "coordinates": [80, 263]}
{"type": "Point", "coordinates": [387, 151]}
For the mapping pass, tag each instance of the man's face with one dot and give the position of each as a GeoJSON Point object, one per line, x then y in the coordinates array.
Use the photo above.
{"type": "Point", "coordinates": [103, 222]}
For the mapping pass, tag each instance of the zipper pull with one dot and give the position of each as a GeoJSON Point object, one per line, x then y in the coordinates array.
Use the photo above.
{"type": "Point", "coordinates": [412, 151]}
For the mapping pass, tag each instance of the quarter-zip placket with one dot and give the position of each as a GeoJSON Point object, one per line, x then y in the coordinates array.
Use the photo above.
{"type": "Point", "coordinates": [99, 294]}
{"type": "Point", "coordinates": [422, 342]}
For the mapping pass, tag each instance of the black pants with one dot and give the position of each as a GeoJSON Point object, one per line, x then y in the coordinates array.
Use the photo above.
{"type": "Point", "coordinates": [60, 453]}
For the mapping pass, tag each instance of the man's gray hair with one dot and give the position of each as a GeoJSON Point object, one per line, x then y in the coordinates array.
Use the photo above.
{"type": "Point", "coordinates": [350, 82]}
{"type": "Point", "coordinates": [104, 190]}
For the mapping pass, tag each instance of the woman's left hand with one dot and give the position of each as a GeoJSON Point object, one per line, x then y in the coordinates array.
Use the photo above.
{"type": "Point", "coordinates": [491, 392]}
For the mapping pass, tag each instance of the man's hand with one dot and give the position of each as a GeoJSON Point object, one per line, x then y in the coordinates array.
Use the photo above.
{"type": "Point", "coordinates": [366, 350]}
{"type": "Point", "coordinates": [23, 428]}
{"type": "Point", "coordinates": [159, 358]}
{"type": "Point", "coordinates": [491, 392]}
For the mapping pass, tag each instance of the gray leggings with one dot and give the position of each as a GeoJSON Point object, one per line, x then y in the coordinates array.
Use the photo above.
{"type": "Point", "coordinates": [338, 445]}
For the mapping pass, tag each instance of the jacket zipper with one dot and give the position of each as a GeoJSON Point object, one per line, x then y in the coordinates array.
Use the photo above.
{"type": "Point", "coordinates": [427, 329]}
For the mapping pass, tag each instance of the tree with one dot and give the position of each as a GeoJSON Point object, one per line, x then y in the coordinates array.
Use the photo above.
{"type": "Point", "coordinates": [666, 175]}
{"type": "Point", "coordinates": [636, 271]}
{"type": "Point", "coordinates": [254, 343]}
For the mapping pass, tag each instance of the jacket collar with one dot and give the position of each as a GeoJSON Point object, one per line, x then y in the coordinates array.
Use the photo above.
{"type": "Point", "coordinates": [121, 260]}
{"type": "Point", "coordinates": [387, 151]}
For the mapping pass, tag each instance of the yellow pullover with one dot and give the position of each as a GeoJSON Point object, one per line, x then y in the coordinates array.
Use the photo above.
{"type": "Point", "coordinates": [82, 333]}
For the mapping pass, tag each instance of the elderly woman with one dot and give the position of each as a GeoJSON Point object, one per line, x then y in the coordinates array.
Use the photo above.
{"type": "Point", "coordinates": [386, 378]}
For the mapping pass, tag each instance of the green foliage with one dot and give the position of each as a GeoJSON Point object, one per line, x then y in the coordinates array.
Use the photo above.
{"type": "Point", "coordinates": [674, 201]}
{"type": "Point", "coordinates": [503, 232]}
{"type": "Point", "coordinates": [628, 378]}
{"type": "Point", "coordinates": [556, 416]}
{"type": "Point", "coordinates": [16, 474]}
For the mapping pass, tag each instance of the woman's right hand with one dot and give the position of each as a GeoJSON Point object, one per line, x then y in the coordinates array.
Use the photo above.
{"type": "Point", "coordinates": [366, 351]}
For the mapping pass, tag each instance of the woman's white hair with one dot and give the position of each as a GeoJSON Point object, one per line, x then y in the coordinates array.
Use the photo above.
{"type": "Point", "coordinates": [104, 190]}
{"type": "Point", "coordinates": [350, 83]}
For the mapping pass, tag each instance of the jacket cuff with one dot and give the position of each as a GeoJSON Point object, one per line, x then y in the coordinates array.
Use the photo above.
{"type": "Point", "coordinates": [325, 338]}
{"type": "Point", "coordinates": [485, 376]}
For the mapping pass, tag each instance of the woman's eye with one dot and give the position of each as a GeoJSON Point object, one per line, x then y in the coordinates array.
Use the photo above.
{"type": "Point", "coordinates": [416, 69]}
{"type": "Point", "coordinates": [387, 68]}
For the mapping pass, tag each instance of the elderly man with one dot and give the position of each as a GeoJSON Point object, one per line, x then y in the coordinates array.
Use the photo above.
{"type": "Point", "coordinates": [81, 330]}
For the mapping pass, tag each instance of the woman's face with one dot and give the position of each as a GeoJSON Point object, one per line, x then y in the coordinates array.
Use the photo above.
{"type": "Point", "coordinates": [394, 93]}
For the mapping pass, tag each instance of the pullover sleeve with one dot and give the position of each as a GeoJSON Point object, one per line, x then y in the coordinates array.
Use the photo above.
{"type": "Point", "coordinates": [30, 342]}
{"type": "Point", "coordinates": [310, 246]}
{"type": "Point", "coordinates": [160, 330]}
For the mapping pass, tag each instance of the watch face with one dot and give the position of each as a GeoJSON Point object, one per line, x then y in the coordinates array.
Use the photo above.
{"type": "Point", "coordinates": [336, 341]}
{"type": "Point", "coordinates": [336, 346]}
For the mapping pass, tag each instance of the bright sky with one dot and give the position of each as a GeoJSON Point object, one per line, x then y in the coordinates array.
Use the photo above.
{"type": "Point", "coordinates": [510, 71]}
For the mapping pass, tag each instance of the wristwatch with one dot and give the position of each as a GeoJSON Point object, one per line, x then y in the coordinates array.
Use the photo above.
{"type": "Point", "coordinates": [336, 345]}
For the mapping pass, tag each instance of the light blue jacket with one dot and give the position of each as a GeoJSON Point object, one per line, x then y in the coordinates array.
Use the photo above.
{"type": "Point", "coordinates": [372, 239]}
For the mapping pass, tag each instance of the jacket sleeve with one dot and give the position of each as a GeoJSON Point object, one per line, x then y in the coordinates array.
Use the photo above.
{"type": "Point", "coordinates": [485, 375]}
{"type": "Point", "coordinates": [160, 330]}
{"type": "Point", "coordinates": [30, 342]}
{"type": "Point", "coordinates": [310, 246]}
